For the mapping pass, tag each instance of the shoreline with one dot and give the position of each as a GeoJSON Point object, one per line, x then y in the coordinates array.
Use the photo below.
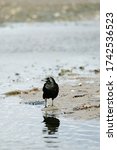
{"type": "Point", "coordinates": [76, 101]}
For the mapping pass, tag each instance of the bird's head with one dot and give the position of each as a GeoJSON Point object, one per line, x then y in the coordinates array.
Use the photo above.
{"type": "Point", "coordinates": [49, 80]}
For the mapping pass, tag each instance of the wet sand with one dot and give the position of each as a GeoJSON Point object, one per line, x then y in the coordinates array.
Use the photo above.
{"type": "Point", "coordinates": [78, 101]}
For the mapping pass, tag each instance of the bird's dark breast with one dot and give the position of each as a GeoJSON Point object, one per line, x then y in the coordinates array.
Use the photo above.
{"type": "Point", "coordinates": [50, 92]}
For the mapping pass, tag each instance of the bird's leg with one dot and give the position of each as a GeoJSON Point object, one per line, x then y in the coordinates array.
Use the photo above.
{"type": "Point", "coordinates": [52, 102]}
{"type": "Point", "coordinates": [45, 103]}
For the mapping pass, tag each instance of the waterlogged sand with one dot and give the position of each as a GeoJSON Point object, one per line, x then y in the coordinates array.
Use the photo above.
{"type": "Point", "coordinates": [79, 100]}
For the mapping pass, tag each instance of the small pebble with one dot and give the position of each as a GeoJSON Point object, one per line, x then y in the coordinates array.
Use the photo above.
{"type": "Point", "coordinates": [80, 84]}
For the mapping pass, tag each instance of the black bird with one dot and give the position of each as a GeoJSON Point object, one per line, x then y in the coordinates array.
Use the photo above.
{"type": "Point", "coordinates": [50, 89]}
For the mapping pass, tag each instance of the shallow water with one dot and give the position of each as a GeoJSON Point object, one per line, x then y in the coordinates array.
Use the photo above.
{"type": "Point", "coordinates": [22, 127]}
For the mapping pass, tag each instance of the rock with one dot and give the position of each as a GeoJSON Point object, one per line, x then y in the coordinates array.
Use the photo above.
{"type": "Point", "coordinates": [80, 84]}
{"type": "Point", "coordinates": [97, 71]}
{"type": "Point", "coordinates": [17, 74]}
{"type": "Point", "coordinates": [81, 68]}
{"type": "Point", "coordinates": [64, 72]}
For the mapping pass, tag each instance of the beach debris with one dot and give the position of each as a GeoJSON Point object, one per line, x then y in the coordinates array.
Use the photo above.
{"type": "Point", "coordinates": [13, 93]}
{"type": "Point", "coordinates": [69, 72]}
{"type": "Point", "coordinates": [68, 112]}
{"type": "Point", "coordinates": [79, 95]}
{"type": "Point", "coordinates": [80, 84]}
{"type": "Point", "coordinates": [34, 89]}
{"type": "Point", "coordinates": [96, 71]}
{"type": "Point", "coordinates": [64, 72]}
{"type": "Point", "coordinates": [17, 74]}
{"type": "Point", "coordinates": [18, 92]}
{"type": "Point", "coordinates": [81, 67]}
{"type": "Point", "coordinates": [25, 92]}
{"type": "Point", "coordinates": [85, 107]}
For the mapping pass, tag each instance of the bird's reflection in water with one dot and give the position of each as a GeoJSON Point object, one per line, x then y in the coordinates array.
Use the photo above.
{"type": "Point", "coordinates": [50, 130]}
{"type": "Point", "coordinates": [51, 124]}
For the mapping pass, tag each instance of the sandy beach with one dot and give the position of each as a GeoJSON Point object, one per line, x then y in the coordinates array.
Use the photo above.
{"type": "Point", "coordinates": [78, 101]}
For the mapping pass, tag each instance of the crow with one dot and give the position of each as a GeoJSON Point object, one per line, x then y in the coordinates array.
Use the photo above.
{"type": "Point", "coordinates": [50, 89]}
